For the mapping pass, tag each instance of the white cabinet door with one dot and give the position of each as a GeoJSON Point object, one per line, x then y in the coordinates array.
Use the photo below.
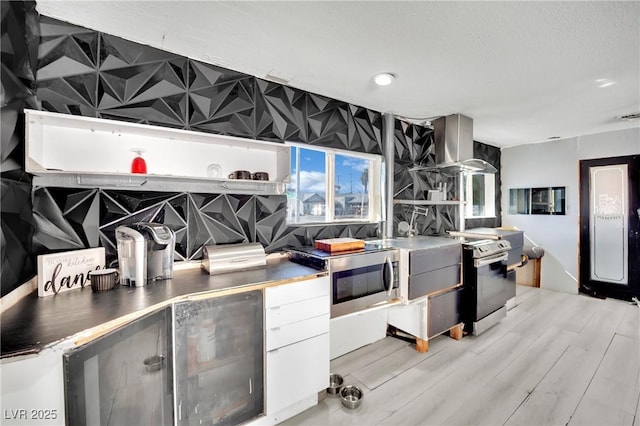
{"type": "Point", "coordinates": [353, 331]}
{"type": "Point", "coordinates": [277, 316]}
{"type": "Point", "coordinates": [297, 371]}
{"type": "Point", "coordinates": [291, 333]}
{"type": "Point", "coordinates": [295, 292]}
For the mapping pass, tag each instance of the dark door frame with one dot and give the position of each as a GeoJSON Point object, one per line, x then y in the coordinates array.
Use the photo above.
{"type": "Point", "coordinates": [599, 288]}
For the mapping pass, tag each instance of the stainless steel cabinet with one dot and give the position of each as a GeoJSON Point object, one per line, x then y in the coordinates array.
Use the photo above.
{"type": "Point", "coordinates": [124, 377]}
{"type": "Point", "coordinates": [445, 311]}
{"type": "Point", "coordinates": [219, 359]}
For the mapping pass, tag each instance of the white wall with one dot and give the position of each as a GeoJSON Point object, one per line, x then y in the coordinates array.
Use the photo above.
{"type": "Point", "coordinates": [556, 163]}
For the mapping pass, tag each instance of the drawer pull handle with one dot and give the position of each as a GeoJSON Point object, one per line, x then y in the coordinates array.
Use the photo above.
{"type": "Point", "coordinates": [275, 329]}
{"type": "Point", "coordinates": [275, 308]}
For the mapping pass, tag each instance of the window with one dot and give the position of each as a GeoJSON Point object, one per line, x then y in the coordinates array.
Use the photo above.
{"type": "Point", "coordinates": [519, 201]}
{"type": "Point", "coordinates": [328, 185]}
{"type": "Point", "coordinates": [537, 200]}
{"type": "Point", "coordinates": [480, 190]}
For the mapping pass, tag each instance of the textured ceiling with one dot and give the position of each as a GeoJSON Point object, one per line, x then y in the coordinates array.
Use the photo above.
{"type": "Point", "coordinates": [524, 71]}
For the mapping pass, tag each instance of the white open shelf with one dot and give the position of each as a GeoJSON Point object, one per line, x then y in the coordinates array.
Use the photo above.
{"type": "Point", "coordinates": [68, 150]}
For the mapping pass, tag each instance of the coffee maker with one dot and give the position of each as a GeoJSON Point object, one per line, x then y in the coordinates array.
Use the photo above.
{"type": "Point", "coordinates": [145, 253]}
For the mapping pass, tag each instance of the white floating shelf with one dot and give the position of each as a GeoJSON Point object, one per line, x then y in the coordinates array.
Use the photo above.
{"type": "Point", "coordinates": [68, 150]}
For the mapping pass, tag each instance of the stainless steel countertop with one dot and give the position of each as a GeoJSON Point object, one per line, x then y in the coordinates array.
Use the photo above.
{"type": "Point", "coordinates": [36, 322]}
{"type": "Point", "coordinates": [418, 242]}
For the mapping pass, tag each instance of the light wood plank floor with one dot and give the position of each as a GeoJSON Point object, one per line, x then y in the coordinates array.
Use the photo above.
{"type": "Point", "coordinates": [557, 359]}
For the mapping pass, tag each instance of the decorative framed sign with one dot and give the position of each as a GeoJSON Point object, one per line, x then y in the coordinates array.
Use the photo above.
{"type": "Point", "coordinates": [61, 272]}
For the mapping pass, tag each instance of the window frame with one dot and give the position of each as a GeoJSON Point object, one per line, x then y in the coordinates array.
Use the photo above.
{"type": "Point", "coordinates": [489, 196]}
{"type": "Point", "coordinates": [375, 187]}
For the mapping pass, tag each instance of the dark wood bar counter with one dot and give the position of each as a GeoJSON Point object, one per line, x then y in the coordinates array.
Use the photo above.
{"type": "Point", "coordinates": [35, 322]}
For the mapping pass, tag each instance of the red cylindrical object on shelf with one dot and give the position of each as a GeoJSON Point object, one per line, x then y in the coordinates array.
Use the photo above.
{"type": "Point", "coordinates": [138, 165]}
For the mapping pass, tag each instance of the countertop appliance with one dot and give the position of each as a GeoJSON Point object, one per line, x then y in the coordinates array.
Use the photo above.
{"type": "Point", "coordinates": [427, 264]}
{"type": "Point", "coordinates": [145, 253]}
{"type": "Point", "coordinates": [487, 283]}
{"type": "Point", "coordinates": [223, 258]}
{"type": "Point", "coordinates": [359, 280]}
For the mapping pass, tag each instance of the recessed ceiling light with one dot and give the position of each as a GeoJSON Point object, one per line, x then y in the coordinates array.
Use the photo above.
{"type": "Point", "coordinates": [384, 78]}
{"type": "Point", "coordinates": [604, 82]}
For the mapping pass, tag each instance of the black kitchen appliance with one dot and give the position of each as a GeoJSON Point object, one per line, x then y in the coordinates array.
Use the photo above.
{"type": "Point", "coordinates": [359, 280]}
{"type": "Point", "coordinates": [515, 238]}
{"type": "Point", "coordinates": [487, 283]}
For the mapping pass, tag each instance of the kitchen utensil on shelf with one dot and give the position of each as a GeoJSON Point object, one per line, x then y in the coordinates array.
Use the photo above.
{"type": "Point", "coordinates": [335, 384]}
{"type": "Point", "coordinates": [351, 396]}
{"type": "Point", "coordinates": [240, 174]}
{"type": "Point", "coordinates": [260, 176]}
{"type": "Point", "coordinates": [103, 279]}
{"type": "Point", "coordinates": [153, 363]}
{"type": "Point", "coordinates": [138, 165]}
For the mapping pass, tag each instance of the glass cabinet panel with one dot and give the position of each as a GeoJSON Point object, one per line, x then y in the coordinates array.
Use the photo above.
{"type": "Point", "coordinates": [550, 200]}
{"type": "Point", "coordinates": [519, 201]}
{"type": "Point", "coordinates": [219, 359]}
{"type": "Point", "coordinates": [540, 201]}
{"type": "Point", "coordinates": [558, 200]}
{"type": "Point", "coordinates": [124, 377]}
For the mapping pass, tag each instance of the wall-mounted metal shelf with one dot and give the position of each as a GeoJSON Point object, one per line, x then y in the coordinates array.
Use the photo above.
{"type": "Point", "coordinates": [427, 202]}
{"type": "Point", "coordinates": [161, 183]}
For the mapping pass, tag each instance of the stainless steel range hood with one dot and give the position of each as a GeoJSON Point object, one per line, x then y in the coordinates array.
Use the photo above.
{"type": "Point", "coordinates": [453, 137]}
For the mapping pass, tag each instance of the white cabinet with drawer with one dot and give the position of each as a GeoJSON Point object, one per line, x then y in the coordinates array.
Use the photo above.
{"type": "Point", "coordinates": [296, 292]}
{"type": "Point", "coordinates": [297, 345]}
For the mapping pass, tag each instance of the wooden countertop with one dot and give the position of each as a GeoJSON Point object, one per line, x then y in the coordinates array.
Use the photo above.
{"type": "Point", "coordinates": [35, 322]}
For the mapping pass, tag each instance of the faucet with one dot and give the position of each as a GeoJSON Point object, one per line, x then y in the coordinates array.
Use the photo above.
{"type": "Point", "coordinates": [409, 228]}
{"type": "Point", "coordinates": [417, 210]}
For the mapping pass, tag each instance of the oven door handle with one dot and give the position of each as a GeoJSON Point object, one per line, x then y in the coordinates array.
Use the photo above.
{"type": "Point", "coordinates": [391, 276]}
{"type": "Point", "coordinates": [479, 263]}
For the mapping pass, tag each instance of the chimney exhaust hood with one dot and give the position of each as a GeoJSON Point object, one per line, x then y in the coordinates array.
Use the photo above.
{"type": "Point", "coordinates": [453, 138]}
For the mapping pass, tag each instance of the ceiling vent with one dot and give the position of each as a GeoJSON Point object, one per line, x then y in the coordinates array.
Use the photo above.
{"type": "Point", "coordinates": [629, 117]}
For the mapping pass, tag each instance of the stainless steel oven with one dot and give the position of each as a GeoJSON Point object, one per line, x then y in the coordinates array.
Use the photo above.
{"type": "Point", "coordinates": [487, 283]}
{"type": "Point", "coordinates": [358, 280]}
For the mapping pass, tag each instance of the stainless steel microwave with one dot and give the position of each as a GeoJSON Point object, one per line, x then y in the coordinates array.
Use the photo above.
{"type": "Point", "coordinates": [359, 280]}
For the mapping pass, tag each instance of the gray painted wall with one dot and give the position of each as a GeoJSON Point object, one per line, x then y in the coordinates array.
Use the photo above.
{"type": "Point", "coordinates": [556, 163]}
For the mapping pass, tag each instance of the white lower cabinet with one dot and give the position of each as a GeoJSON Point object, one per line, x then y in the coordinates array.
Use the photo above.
{"type": "Point", "coordinates": [296, 371]}
{"type": "Point", "coordinates": [353, 331]}
{"type": "Point", "coordinates": [297, 347]}
{"type": "Point", "coordinates": [288, 334]}
{"type": "Point", "coordinates": [411, 318]}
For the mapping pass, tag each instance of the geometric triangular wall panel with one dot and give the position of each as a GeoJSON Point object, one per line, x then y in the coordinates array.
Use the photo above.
{"type": "Point", "coordinates": [75, 70]}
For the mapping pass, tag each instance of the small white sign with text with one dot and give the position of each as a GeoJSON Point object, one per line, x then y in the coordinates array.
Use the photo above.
{"type": "Point", "coordinates": [61, 272]}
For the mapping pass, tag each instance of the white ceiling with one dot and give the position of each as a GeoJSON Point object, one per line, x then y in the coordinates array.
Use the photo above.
{"type": "Point", "coordinates": [524, 71]}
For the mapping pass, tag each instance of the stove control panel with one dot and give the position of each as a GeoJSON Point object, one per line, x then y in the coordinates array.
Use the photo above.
{"type": "Point", "coordinates": [484, 248]}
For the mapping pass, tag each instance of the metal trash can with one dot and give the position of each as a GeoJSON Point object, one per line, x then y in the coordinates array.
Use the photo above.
{"type": "Point", "coordinates": [528, 273]}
